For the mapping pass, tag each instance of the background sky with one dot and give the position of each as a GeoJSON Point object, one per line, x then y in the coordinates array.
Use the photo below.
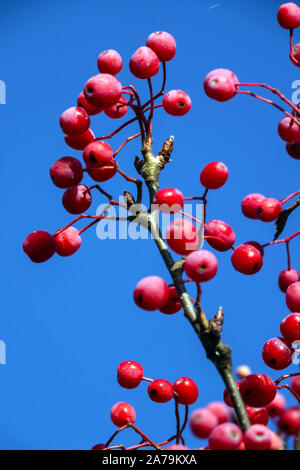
{"type": "Point", "coordinates": [69, 322]}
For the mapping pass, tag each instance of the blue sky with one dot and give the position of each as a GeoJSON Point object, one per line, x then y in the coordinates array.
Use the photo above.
{"type": "Point", "coordinates": [69, 322]}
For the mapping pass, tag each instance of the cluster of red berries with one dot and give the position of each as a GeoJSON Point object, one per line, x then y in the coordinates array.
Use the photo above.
{"type": "Point", "coordinates": [102, 93]}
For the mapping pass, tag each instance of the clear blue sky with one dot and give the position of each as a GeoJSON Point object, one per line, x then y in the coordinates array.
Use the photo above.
{"type": "Point", "coordinates": [69, 322]}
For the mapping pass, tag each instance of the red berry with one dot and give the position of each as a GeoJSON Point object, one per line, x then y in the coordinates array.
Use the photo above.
{"type": "Point", "coordinates": [68, 241]}
{"type": "Point", "coordinates": [277, 406]}
{"type": "Point", "coordinates": [295, 384]}
{"type": "Point", "coordinates": [160, 391]}
{"type": "Point", "coordinates": [182, 236]}
{"type": "Point", "coordinates": [226, 396]}
{"type": "Point", "coordinates": [74, 121]}
{"type": "Point", "coordinates": [276, 442]}
{"type": "Point", "coordinates": [66, 172]}
{"type": "Point", "coordinates": [98, 447]}
{"type": "Point", "coordinates": [130, 374]}
{"type": "Point", "coordinates": [173, 304]}
{"type": "Point", "coordinates": [151, 293]}
{"type": "Point", "coordinates": [292, 297]}
{"type": "Point", "coordinates": [169, 200]}
{"type": "Point", "coordinates": [288, 15]}
{"type": "Point", "coordinates": [118, 110]}
{"type": "Point", "coordinates": [256, 245]}
{"type": "Point", "coordinates": [220, 84]}
{"type": "Point", "coordinates": [39, 246]}
{"type": "Point", "coordinates": [221, 411]}
{"type": "Point", "coordinates": [257, 390]}
{"type": "Point", "coordinates": [201, 265]}
{"type": "Point", "coordinates": [214, 175]}
{"type": "Point", "coordinates": [246, 259]}
{"type": "Point", "coordinates": [102, 90]}
{"type": "Point", "coordinates": [89, 108]}
{"type": "Point", "coordinates": [288, 130]}
{"type": "Point", "coordinates": [79, 142]}
{"type": "Point", "coordinates": [287, 277]}
{"type": "Point", "coordinates": [290, 327]}
{"type": "Point", "coordinates": [177, 103]}
{"type": "Point", "coordinates": [144, 63]}
{"type": "Point", "coordinates": [277, 353]}
{"type": "Point", "coordinates": [226, 436]}
{"type": "Point", "coordinates": [258, 437]}
{"type": "Point", "coordinates": [102, 171]}
{"type": "Point", "coordinates": [122, 414]}
{"type": "Point", "coordinates": [289, 421]}
{"type": "Point", "coordinates": [223, 237]}
{"type": "Point", "coordinates": [202, 422]}
{"type": "Point", "coordinates": [98, 152]}
{"type": "Point", "coordinates": [269, 209]}
{"type": "Point", "coordinates": [77, 199]}
{"type": "Point", "coordinates": [257, 415]}
{"type": "Point", "coordinates": [109, 62]}
{"type": "Point", "coordinates": [176, 447]}
{"type": "Point", "coordinates": [186, 390]}
{"type": "Point", "coordinates": [250, 205]}
{"type": "Point", "coordinates": [293, 149]}
{"type": "Point", "coordinates": [163, 44]}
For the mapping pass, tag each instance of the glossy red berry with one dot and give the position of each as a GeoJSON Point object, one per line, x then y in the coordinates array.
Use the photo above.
{"type": "Point", "coordinates": [201, 265]}
{"type": "Point", "coordinates": [79, 142]}
{"type": "Point", "coordinates": [277, 406]}
{"type": "Point", "coordinates": [122, 413]}
{"type": "Point", "coordinates": [287, 277]}
{"type": "Point", "coordinates": [288, 15]}
{"type": "Point", "coordinates": [220, 235]}
{"type": "Point", "coordinates": [214, 175]}
{"type": "Point", "coordinates": [257, 415]}
{"type": "Point", "coordinates": [257, 390]}
{"type": "Point", "coordinates": [182, 236]}
{"type": "Point", "coordinates": [169, 200]}
{"type": "Point", "coordinates": [277, 353]}
{"type": "Point", "coordinates": [130, 374]}
{"type": "Point", "coordinates": [109, 61]}
{"type": "Point", "coordinates": [246, 259]}
{"type": "Point", "coordinates": [258, 437]}
{"type": "Point", "coordinates": [269, 209]}
{"type": "Point", "coordinates": [176, 447]}
{"type": "Point", "coordinates": [102, 171]}
{"type": "Point", "coordinates": [77, 199]}
{"type": "Point", "coordinates": [98, 447]}
{"type": "Point", "coordinates": [293, 149]}
{"type": "Point", "coordinates": [163, 44]}
{"type": "Point", "coordinates": [292, 297]}
{"type": "Point", "coordinates": [102, 90]}
{"type": "Point", "coordinates": [250, 205]}
{"type": "Point", "coordinates": [220, 84]}
{"type": "Point", "coordinates": [288, 130]}
{"type": "Point", "coordinates": [177, 103]}
{"type": "Point", "coordinates": [89, 108]}
{"type": "Point", "coordinates": [290, 327]}
{"type": "Point", "coordinates": [39, 246]}
{"type": "Point", "coordinates": [144, 63]}
{"type": "Point", "coordinates": [202, 422]}
{"type": "Point", "coordinates": [151, 293]}
{"type": "Point", "coordinates": [66, 172]}
{"type": "Point", "coordinates": [226, 396]}
{"type": "Point", "coordinates": [74, 121]}
{"type": "Point", "coordinates": [98, 152]}
{"type": "Point", "coordinates": [118, 110]}
{"type": "Point", "coordinates": [289, 421]}
{"type": "Point", "coordinates": [173, 304]}
{"type": "Point", "coordinates": [220, 410]}
{"type": "Point", "coordinates": [160, 391]}
{"type": "Point", "coordinates": [257, 245]}
{"type": "Point", "coordinates": [68, 241]}
{"type": "Point", "coordinates": [276, 442]}
{"type": "Point", "coordinates": [226, 436]}
{"type": "Point", "coordinates": [186, 390]}
{"type": "Point", "coordinates": [295, 384]}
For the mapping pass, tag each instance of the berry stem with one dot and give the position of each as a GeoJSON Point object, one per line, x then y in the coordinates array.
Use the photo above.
{"type": "Point", "coordinates": [284, 377]}
{"type": "Point", "coordinates": [279, 387]}
{"type": "Point", "coordinates": [190, 217]}
{"type": "Point", "coordinates": [283, 201]}
{"type": "Point", "coordinates": [294, 61]}
{"type": "Point", "coordinates": [138, 431]}
{"type": "Point", "coordinates": [109, 136]}
{"type": "Point", "coordinates": [288, 254]}
{"type": "Point", "coordinates": [126, 142]}
{"type": "Point", "coordinates": [161, 92]}
{"type": "Point", "coordinates": [177, 420]}
{"type": "Point", "coordinates": [115, 434]}
{"type": "Point", "coordinates": [284, 240]}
